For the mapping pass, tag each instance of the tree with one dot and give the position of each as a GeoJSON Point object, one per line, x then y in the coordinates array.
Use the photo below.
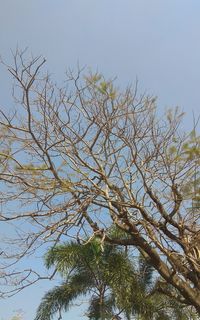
{"type": "Point", "coordinates": [86, 271]}
{"type": "Point", "coordinates": [115, 286]}
{"type": "Point", "coordinates": [77, 159]}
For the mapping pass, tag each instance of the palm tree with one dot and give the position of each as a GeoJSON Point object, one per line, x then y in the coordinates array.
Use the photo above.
{"type": "Point", "coordinates": [115, 286]}
{"type": "Point", "coordinates": [86, 270]}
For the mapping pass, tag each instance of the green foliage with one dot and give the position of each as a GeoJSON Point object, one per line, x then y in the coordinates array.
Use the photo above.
{"type": "Point", "coordinates": [116, 285]}
{"type": "Point", "coordinates": [102, 86]}
{"type": "Point", "coordinates": [98, 310]}
{"type": "Point", "coordinates": [179, 155]}
{"type": "Point", "coordinates": [84, 267]}
{"type": "Point", "coordinates": [60, 297]}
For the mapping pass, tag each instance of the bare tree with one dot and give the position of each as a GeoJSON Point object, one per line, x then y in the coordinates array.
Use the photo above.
{"type": "Point", "coordinates": [77, 159]}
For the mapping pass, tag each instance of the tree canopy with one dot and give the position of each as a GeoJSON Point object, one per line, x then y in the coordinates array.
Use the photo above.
{"type": "Point", "coordinates": [76, 159]}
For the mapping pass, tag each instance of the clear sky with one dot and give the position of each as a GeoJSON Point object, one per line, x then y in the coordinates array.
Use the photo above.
{"type": "Point", "coordinates": [157, 41]}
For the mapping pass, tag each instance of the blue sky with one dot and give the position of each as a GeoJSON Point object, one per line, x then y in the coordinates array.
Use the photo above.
{"type": "Point", "coordinates": [157, 41]}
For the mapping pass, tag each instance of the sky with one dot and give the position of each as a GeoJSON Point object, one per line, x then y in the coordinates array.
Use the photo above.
{"type": "Point", "coordinates": [156, 41]}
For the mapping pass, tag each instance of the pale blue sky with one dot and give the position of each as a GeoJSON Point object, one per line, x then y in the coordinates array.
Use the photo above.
{"type": "Point", "coordinates": [157, 41]}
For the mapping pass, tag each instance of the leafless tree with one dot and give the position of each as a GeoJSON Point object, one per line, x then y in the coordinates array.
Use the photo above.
{"type": "Point", "coordinates": [77, 159]}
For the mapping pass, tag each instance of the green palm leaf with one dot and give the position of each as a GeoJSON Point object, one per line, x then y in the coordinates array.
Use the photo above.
{"type": "Point", "coordinates": [61, 297]}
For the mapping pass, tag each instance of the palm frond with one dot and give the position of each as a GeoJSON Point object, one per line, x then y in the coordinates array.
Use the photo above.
{"type": "Point", "coordinates": [101, 310]}
{"type": "Point", "coordinates": [64, 256]}
{"type": "Point", "coordinates": [61, 297]}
